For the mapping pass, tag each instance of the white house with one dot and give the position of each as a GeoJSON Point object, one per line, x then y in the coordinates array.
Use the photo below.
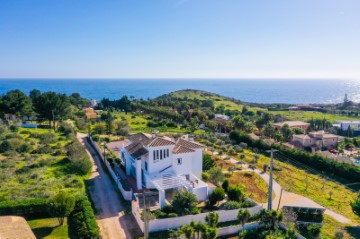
{"type": "Point", "coordinates": [344, 125]}
{"type": "Point", "coordinates": [162, 163]}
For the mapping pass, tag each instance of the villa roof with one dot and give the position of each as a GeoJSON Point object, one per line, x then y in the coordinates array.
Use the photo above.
{"type": "Point", "coordinates": [139, 137]}
{"type": "Point", "coordinates": [189, 144]}
{"type": "Point", "coordinates": [302, 136]}
{"type": "Point", "coordinates": [136, 150]}
{"type": "Point", "coordinates": [179, 149]}
{"type": "Point", "coordinates": [292, 123]}
{"type": "Point", "coordinates": [158, 141]}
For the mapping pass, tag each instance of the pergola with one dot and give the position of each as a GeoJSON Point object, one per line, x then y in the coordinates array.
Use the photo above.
{"type": "Point", "coordinates": [169, 181]}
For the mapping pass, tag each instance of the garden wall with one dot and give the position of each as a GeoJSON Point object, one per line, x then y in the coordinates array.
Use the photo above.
{"type": "Point", "coordinates": [176, 222]}
{"type": "Point", "coordinates": [128, 195]}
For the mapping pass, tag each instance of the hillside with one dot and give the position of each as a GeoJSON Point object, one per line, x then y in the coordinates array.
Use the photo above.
{"type": "Point", "coordinates": [232, 104]}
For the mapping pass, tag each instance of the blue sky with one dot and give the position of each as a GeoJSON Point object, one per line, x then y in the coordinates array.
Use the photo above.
{"type": "Point", "coordinates": [180, 38]}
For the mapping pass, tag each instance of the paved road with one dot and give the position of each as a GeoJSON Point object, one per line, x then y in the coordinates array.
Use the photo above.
{"type": "Point", "coordinates": [289, 198]}
{"type": "Point", "coordinates": [110, 216]}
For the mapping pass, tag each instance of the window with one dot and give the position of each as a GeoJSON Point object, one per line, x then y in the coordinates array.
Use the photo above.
{"type": "Point", "coordinates": [161, 154]}
{"type": "Point", "coordinates": [154, 155]}
{"type": "Point", "coordinates": [157, 154]}
{"type": "Point", "coordinates": [167, 153]}
{"type": "Point", "coordinates": [164, 152]}
{"type": "Point", "coordinates": [146, 166]}
{"type": "Point", "coordinates": [179, 161]}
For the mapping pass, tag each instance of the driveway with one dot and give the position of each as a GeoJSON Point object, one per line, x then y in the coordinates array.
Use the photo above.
{"type": "Point", "coordinates": [110, 212]}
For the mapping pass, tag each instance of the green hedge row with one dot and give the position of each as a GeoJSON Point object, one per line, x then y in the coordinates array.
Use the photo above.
{"type": "Point", "coordinates": [28, 208]}
{"type": "Point", "coordinates": [323, 164]}
{"type": "Point", "coordinates": [82, 221]}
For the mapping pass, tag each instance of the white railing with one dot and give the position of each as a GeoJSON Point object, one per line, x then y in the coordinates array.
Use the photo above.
{"type": "Point", "coordinates": [128, 195]}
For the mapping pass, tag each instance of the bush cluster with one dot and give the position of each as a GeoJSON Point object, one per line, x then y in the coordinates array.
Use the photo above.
{"type": "Point", "coordinates": [28, 208]}
{"type": "Point", "coordinates": [82, 220]}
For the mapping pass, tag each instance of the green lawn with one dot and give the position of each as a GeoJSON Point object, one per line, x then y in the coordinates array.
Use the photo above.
{"type": "Point", "coordinates": [49, 228]}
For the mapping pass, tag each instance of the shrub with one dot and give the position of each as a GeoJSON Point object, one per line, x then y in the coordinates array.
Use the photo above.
{"type": "Point", "coordinates": [217, 195]}
{"type": "Point", "coordinates": [235, 193]}
{"type": "Point", "coordinates": [232, 205]}
{"type": "Point", "coordinates": [205, 176]}
{"type": "Point", "coordinates": [82, 221]}
{"type": "Point", "coordinates": [216, 176]}
{"type": "Point", "coordinates": [61, 205]}
{"type": "Point", "coordinates": [247, 204]}
{"type": "Point", "coordinates": [173, 214]}
{"type": "Point", "coordinates": [167, 209]}
{"type": "Point", "coordinates": [48, 138]}
{"type": "Point", "coordinates": [28, 208]}
{"type": "Point", "coordinates": [225, 185]}
{"type": "Point", "coordinates": [14, 128]}
{"type": "Point", "coordinates": [184, 203]}
{"type": "Point", "coordinates": [160, 214]}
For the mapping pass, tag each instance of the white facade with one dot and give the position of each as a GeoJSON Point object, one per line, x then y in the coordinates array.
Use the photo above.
{"type": "Point", "coordinates": [344, 125]}
{"type": "Point", "coordinates": [163, 163]}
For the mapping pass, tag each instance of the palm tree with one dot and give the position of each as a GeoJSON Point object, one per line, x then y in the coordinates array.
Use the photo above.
{"type": "Point", "coordinates": [188, 230]}
{"type": "Point", "coordinates": [199, 228]}
{"type": "Point", "coordinates": [243, 216]}
{"type": "Point", "coordinates": [276, 217]}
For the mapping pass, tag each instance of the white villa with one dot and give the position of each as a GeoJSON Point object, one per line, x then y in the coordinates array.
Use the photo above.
{"type": "Point", "coordinates": [159, 162]}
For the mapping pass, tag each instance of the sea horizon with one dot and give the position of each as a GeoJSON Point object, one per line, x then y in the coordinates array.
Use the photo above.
{"type": "Point", "coordinates": [287, 91]}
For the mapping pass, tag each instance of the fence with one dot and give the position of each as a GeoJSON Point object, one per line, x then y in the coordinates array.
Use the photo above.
{"type": "Point", "coordinates": [128, 195]}
{"type": "Point", "coordinates": [176, 222]}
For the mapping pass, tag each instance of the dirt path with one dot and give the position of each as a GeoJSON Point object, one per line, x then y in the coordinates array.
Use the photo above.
{"type": "Point", "coordinates": [289, 198]}
{"type": "Point", "coordinates": [110, 212]}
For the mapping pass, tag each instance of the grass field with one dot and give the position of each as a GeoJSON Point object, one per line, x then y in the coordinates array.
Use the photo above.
{"type": "Point", "coordinates": [255, 187]}
{"type": "Point", "coordinates": [311, 185]}
{"type": "Point", "coordinates": [49, 228]}
{"type": "Point", "coordinates": [40, 174]}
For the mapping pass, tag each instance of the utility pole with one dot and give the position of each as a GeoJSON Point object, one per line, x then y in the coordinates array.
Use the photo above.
{"type": "Point", "coordinates": [146, 221]}
{"type": "Point", "coordinates": [271, 178]}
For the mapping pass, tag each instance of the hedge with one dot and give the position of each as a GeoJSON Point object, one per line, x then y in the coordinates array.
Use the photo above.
{"type": "Point", "coordinates": [28, 208]}
{"type": "Point", "coordinates": [323, 164]}
{"type": "Point", "coordinates": [82, 221]}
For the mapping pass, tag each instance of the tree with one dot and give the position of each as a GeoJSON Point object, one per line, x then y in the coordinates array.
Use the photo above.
{"type": "Point", "coordinates": [199, 228]}
{"type": "Point", "coordinates": [314, 230]}
{"type": "Point", "coordinates": [109, 123]}
{"type": "Point", "coordinates": [231, 169]}
{"type": "Point", "coordinates": [216, 176]}
{"type": "Point", "coordinates": [290, 233]}
{"type": "Point", "coordinates": [225, 185]}
{"type": "Point", "coordinates": [265, 167]}
{"type": "Point", "coordinates": [235, 193]}
{"type": "Point", "coordinates": [269, 130]}
{"type": "Point", "coordinates": [243, 216]}
{"type": "Point", "coordinates": [184, 203]}
{"type": "Point", "coordinates": [287, 132]}
{"type": "Point", "coordinates": [210, 233]}
{"type": "Point", "coordinates": [16, 102]}
{"type": "Point", "coordinates": [217, 195]}
{"type": "Point", "coordinates": [188, 230]}
{"type": "Point", "coordinates": [339, 234]}
{"type": "Point", "coordinates": [50, 106]}
{"type": "Point", "coordinates": [61, 205]}
{"type": "Point", "coordinates": [212, 219]}
{"type": "Point", "coordinates": [276, 217]}
{"type": "Point", "coordinates": [356, 205]}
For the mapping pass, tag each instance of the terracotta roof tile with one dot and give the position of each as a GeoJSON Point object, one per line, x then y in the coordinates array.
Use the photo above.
{"type": "Point", "coordinates": [139, 137]}
{"type": "Point", "coordinates": [189, 144]}
{"type": "Point", "coordinates": [136, 150]}
{"type": "Point", "coordinates": [182, 150]}
{"type": "Point", "coordinates": [158, 141]}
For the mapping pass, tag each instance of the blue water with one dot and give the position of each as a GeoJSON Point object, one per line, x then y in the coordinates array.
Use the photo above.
{"type": "Point", "coordinates": [259, 91]}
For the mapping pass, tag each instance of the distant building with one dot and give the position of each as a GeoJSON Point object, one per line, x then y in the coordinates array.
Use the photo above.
{"type": "Point", "coordinates": [15, 227]}
{"type": "Point", "coordinates": [93, 103]}
{"type": "Point", "coordinates": [305, 107]}
{"type": "Point", "coordinates": [344, 125]}
{"type": "Point", "coordinates": [90, 113]}
{"type": "Point", "coordinates": [315, 140]}
{"type": "Point", "coordinates": [293, 124]}
{"type": "Point", "coordinates": [162, 163]}
{"type": "Point", "coordinates": [222, 117]}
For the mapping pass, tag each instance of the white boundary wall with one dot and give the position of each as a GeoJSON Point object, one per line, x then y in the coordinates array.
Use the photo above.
{"type": "Point", "coordinates": [176, 222]}
{"type": "Point", "coordinates": [128, 195]}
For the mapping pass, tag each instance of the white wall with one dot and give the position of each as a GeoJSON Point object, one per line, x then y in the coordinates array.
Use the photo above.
{"type": "Point", "coordinates": [186, 166]}
{"type": "Point", "coordinates": [197, 162]}
{"type": "Point", "coordinates": [176, 222]}
{"type": "Point", "coordinates": [160, 164]}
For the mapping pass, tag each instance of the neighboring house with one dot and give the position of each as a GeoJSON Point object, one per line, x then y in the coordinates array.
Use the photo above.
{"type": "Point", "coordinates": [162, 163]}
{"type": "Point", "coordinates": [93, 103]}
{"type": "Point", "coordinates": [222, 117]}
{"type": "Point", "coordinates": [90, 113]}
{"type": "Point", "coordinates": [15, 227]}
{"type": "Point", "coordinates": [344, 125]}
{"type": "Point", "coordinates": [293, 124]}
{"type": "Point", "coordinates": [315, 140]}
{"type": "Point", "coordinates": [338, 157]}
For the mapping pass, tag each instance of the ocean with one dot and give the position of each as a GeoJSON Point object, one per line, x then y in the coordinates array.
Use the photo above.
{"type": "Point", "coordinates": [257, 91]}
